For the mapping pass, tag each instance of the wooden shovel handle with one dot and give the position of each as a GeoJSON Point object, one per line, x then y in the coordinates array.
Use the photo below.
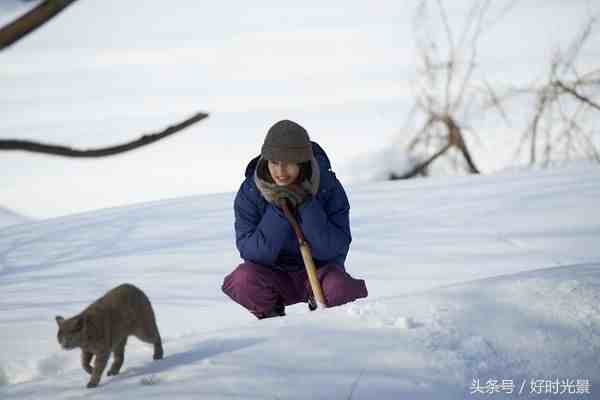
{"type": "Point", "coordinates": [309, 264]}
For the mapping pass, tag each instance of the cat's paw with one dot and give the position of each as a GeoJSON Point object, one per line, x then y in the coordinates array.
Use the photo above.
{"type": "Point", "coordinates": [91, 385]}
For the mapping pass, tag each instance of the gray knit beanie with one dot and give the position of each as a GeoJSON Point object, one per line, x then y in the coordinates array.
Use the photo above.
{"type": "Point", "coordinates": [287, 141]}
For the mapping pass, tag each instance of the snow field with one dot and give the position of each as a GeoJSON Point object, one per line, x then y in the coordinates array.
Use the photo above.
{"type": "Point", "coordinates": [485, 278]}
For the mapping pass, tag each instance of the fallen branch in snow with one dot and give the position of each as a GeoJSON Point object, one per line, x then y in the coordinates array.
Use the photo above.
{"type": "Point", "coordinates": [31, 20]}
{"type": "Point", "coordinates": [36, 147]}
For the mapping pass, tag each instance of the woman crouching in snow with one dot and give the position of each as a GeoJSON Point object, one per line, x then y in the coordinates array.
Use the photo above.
{"type": "Point", "coordinates": [272, 275]}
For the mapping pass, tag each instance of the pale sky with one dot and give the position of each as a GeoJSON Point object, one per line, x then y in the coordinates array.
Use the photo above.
{"type": "Point", "coordinates": [105, 72]}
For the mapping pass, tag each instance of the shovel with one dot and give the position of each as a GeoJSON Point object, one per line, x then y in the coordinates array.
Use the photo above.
{"type": "Point", "coordinates": [317, 300]}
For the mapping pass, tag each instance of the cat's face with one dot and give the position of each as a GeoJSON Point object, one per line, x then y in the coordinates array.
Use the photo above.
{"type": "Point", "coordinates": [70, 332]}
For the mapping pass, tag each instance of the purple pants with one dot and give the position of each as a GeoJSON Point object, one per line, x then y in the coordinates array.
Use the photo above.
{"type": "Point", "coordinates": [258, 288]}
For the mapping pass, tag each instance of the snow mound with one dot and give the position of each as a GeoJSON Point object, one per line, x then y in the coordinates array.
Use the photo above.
{"type": "Point", "coordinates": [8, 217]}
{"type": "Point", "coordinates": [472, 280]}
{"type": "Point", "coordinates": [378, 166]}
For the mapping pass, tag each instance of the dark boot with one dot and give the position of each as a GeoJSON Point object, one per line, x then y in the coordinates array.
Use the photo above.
{"type": "Point", "coordinates": [277, 311]}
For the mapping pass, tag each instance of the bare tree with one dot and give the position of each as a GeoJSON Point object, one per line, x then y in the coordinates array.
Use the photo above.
{"type": "Point", "coordinates": [446, 96]}
{"type": "Point", "coordinates": [566, 106]}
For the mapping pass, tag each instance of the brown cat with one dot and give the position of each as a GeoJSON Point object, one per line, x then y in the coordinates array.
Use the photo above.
{"type": "Point", "coordinates": [103, 327]}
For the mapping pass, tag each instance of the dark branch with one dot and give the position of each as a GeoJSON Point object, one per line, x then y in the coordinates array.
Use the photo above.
{"type": "Point", "coordinates": [36, 147]}
{"type": "Point", "coordinates": [456, 139]}
{"type": "Point", "coordinates": [421, 168]}
{"type": "Point", "coordinates": [578, 95]}
{"type": "Point", "coordinates": [31, 20]}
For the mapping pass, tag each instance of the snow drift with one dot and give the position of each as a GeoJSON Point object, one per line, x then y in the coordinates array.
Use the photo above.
{"type": "Point", "coordinates": [9, 217]}
{"type": "Point", "coordinates": [480, 287]}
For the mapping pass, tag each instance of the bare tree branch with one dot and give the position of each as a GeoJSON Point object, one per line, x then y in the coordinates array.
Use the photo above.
{"type": "Point", "coordinates": [471, 62]}
{"type": "Point", "coordinates": [570, 55]}
{"type": "Point", "coordinates": [564, 101]}
{"type": "Point", "coordinates": [496, 102]}
{"type": "Point", "coordinates": [446, 22]}
{"type": "Point", "coordinates": [505, 10]}
{"type": "Point", "coordinates": [456, 138]}
{"type": "Point", "coordinates": [31, 20]}
{"type": "Point", "coordinates": [540, 109]}
{"type": "Point", "coordinates": [36, 147]}
{"type": "Point", "coordinates": [449, 64]}
{"type": "Point", "coordinates": [447, 96]}
{"type": "Point", "coordinates": [557, 130]}
{"type": "Point", "coordinates": [577, 95]}
{"type": "Point", "coordinates": [422, 167]}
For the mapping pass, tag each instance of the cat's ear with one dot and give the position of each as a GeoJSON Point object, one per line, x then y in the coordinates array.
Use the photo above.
{"type": "Point", "coordinates": [59, 320]}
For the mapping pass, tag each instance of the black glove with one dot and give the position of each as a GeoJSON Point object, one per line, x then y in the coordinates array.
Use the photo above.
{"type": "Point", "coordinates": [294, 194]}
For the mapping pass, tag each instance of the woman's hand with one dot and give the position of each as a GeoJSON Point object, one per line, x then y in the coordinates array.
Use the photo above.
{"type": "Point", "coordinates": [295, 194]}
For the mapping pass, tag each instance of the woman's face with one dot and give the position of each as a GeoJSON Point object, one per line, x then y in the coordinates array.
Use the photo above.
{"type": "Point", "coordinates": [283, 173]}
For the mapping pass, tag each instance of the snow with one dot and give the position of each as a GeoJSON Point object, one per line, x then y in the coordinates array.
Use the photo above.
{"type": "Point", "coordinates": [9, 217]}
{"type": "Point", "coordinates": [470, 279]}
{"type": "Point", "coordinates": [379, 165]}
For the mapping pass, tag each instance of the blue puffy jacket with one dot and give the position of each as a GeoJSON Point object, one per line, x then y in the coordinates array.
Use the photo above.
{"type": "Point", "coordinates": [265, 237]}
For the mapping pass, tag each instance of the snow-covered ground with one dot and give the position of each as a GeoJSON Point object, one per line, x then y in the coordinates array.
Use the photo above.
{"type": "Point", "coordinates": [9, 217]}
{"type": "Point", "coordinates": [476, 284]}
